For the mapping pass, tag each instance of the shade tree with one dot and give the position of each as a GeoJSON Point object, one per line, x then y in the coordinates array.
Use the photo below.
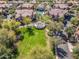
{"type": "Point", "coordinates": [75, 21]}
{"type": "Point", "coordinates": [26, 20]}
{"type": "Point", "coordinates": [8, 49]}
{"type": "Point", "coordinates": [76, 53]}
{"type": "Point", "coordinates": [11, 24]}
{"type": "Point", "coordinates": [55, 27]}
{"type": "Point", "coordinates": [46, 18]}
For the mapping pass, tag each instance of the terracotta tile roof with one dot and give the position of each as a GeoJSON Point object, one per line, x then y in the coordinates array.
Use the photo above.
{"type": "Point", "coordinates": [2, 5]}
{"type": "Point", "coordinates": [41, 6]}
{"type": "Point", "coordinates": [26, 5]}
{"type": "Point", "coordinates": [24, 12]}
{"type": "Point", "coordinates": [33, 1]}
{"type": "Point", "coordinates": [2, 2]}
{"type": "Point", "coordinates": [61, 5]}
{"type": "Point", "coordinates": [77, 32]}
{"type": "Point", "coordinates": [5, 5]}
{"type": "Point", "coordinates": [59, 12]}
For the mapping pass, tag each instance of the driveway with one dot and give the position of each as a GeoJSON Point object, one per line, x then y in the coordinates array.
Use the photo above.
{"type": "Point", "coordinates": [63, 51]}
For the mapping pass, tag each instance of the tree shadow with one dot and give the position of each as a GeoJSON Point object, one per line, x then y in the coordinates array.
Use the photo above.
{"type": "Point", "coordinates": [30, 31]}
{"type": "Point", "coordinates": [15, 52]}
{"type": "Point", "coordinates": [68, 17]}
{"type": "Point", "coordinates": [64, 37]}
{"type": "Point", "coordinates": [53, 49]}
{"type": "Point", "coordinates": [61, 53]}
{"type": "Point", "coordinates": [19, 36]}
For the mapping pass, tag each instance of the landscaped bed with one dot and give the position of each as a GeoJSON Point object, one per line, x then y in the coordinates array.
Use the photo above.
{"type": "Point", "coordinates": [32, 37]}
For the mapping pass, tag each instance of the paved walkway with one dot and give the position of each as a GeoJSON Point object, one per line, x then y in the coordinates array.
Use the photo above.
{"type": "Point", "coordinates": [70, 46]}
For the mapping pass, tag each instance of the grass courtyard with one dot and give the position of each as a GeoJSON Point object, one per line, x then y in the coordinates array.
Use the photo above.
{"type": "Point", "coordinates": [32, 37]}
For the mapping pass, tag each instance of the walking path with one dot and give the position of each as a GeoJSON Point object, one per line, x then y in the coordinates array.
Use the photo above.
{"type": "Point", "coordinates": [70, 47]}
{"type": "Point", "coordinates": [48, 39]}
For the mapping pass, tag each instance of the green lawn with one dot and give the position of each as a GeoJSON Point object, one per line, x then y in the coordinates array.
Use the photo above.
{"type": "Point", "coordinates": [32, 38]}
